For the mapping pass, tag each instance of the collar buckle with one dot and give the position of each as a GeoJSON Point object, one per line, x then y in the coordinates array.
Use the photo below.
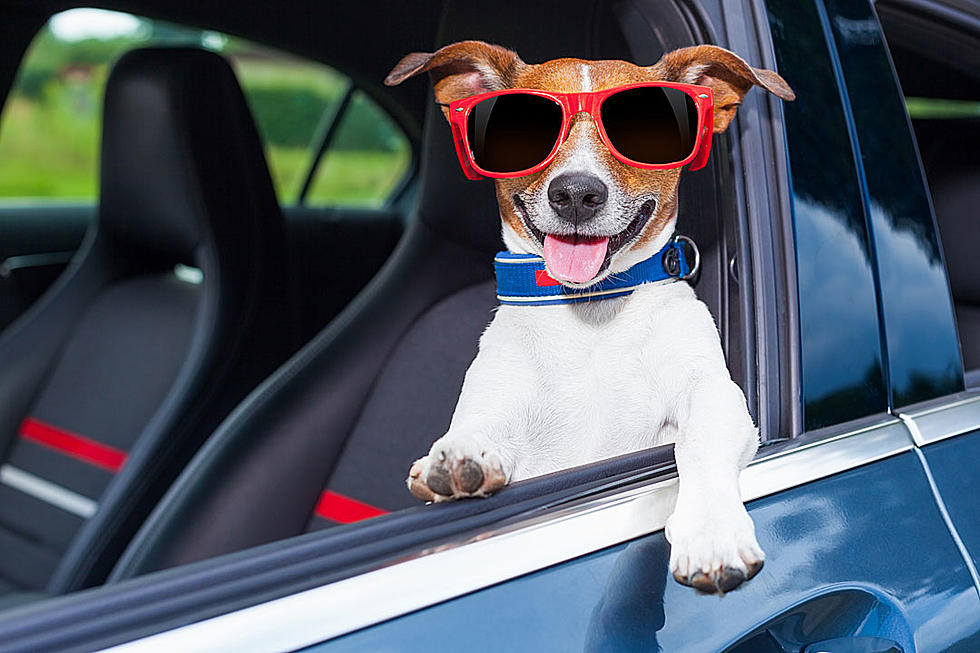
{"type": "Point", "coordinates": [695, 266]}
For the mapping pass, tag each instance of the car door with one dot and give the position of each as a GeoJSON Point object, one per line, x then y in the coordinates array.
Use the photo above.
{"type": "Point", "coordinates": [934, 51]}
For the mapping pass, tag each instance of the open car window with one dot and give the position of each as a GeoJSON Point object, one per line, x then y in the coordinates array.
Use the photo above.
{"type": "Point", "coordinates": [326, 143]}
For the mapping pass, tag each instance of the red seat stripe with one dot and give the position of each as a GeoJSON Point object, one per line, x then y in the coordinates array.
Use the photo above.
{"type": "Point", "coordinates": [336, 507]}
{"type": "Point", "coordinates": [72, 444]}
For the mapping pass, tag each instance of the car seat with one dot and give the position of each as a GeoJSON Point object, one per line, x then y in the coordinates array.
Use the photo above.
{"type": "Point", "coordinates": [173, 309]}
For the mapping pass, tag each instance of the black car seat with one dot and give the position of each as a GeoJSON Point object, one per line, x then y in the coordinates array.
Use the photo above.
{"type": "Point", "coordinates": [330, 437]}
{"type": "Point", "coordinates": [114, 378]}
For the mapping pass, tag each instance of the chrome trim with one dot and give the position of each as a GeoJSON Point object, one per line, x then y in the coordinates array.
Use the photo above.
{"type": "Point", "coordinates": [452, 570]}
{"type": "Point", "coordinates": [26, 261]}
{"type": "Point", "coordinates": [934, 423]}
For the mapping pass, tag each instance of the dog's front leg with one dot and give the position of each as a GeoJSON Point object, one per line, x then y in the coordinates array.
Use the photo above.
{"type": "Point", "coordinates": [477, 455]}
{"type": "Point", "coordinates": [712, 537]}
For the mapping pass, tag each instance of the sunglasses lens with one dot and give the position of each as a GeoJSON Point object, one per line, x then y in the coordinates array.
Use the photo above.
{"type": "Point", "coordinates": [651, 124]}
{"type": "Point", "coordinates": [508, 133]}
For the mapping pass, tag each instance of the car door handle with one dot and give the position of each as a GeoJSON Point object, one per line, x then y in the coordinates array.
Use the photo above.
{"type": "Point", "coordinates": [854, 645]}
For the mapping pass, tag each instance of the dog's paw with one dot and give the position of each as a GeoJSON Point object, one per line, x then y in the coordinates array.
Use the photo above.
{"type": "Point", "coordinates": [713, 553]}
{"type": "Point", "coordinates": [456, 471]}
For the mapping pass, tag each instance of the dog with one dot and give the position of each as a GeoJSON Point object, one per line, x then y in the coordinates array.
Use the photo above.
{"type": "Point", "coordinates": [559, 385]}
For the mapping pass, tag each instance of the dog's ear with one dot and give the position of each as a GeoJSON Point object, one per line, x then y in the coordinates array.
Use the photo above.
{"type": "Point", "coordinates": [727, 74]}
{"type": "Point", "coordinates": [460, 69]}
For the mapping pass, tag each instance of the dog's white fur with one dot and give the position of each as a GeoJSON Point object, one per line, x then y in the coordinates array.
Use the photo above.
{"type": "Point", "coordinates": [557, 386]}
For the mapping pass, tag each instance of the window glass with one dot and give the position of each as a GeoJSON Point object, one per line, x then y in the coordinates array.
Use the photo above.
{"type": "Point", "coordinates": [49, 130]}
{"type": "Point", "coordinates": [939, 72]}
{"type": "Point", "coordinates": [841, 347]}
{"type": "Point", "coordinates": [365, 162]}
{"type": "Point", "coordinates": [51, 123]}
{"type": "Point", "coordinates": [288, 98]}
{"type": "Point", "coordinates": [920, 332]}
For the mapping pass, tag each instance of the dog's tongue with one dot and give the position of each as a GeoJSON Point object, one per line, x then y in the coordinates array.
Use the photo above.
{"type": "Point", "coordinates": [574, 258]}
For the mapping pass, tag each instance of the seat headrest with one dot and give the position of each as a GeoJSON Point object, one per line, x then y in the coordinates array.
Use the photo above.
{"type": "Point", "coordinates": [461, 209]}
{"type": "Point", "coordinates": [181, 158]}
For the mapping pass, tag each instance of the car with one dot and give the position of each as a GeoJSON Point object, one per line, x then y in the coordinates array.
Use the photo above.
{"type": "Point", "coordinates": [838, 238]}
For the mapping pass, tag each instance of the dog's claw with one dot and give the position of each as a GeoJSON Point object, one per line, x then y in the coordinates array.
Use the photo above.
{"type": "Point", "coordinates": [717, 582]}
{"type": "Point", "coordinates": [417, 486]}
{"type": "Point", "coordinates": [711, 556]}
{"type": "Point", "coordinates": [729, 579]}
{"type": "Point", "coordinates": [703, 583]}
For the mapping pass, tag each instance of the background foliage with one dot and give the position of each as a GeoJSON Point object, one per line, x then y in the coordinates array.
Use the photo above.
{"type": "Point", "coordinates": [50, 126]}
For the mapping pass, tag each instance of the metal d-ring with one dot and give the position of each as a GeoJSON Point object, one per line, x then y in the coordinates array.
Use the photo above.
{"type": "Point", "coordinates": [697, 256]}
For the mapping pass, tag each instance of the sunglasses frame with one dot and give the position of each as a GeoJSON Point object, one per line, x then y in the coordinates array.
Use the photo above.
{"type": "Point", "coordinates": [571, 104]}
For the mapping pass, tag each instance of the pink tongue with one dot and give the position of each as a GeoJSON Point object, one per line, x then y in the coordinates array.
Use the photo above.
{"type": "Point", "coordinates": [573, 258]}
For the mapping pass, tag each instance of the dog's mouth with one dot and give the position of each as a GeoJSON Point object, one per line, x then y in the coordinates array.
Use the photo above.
{"type": "Point", "coordinates": [578, 259]}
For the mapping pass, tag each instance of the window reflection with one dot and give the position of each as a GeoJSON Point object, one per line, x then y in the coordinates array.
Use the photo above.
{"type": "Point", "coordinates": [920, 332]}
{"type": "Point", "coordinates": [841, 347]}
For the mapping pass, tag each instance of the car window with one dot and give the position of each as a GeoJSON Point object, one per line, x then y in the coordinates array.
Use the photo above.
{"type": "Point", "coordinates": [366, 158]}
{"type": "Point", "coordinates": [940, 77]}
{"type": "Point", "coordinates": [841, 348]}
{"type": "Point", "coordinates": [51, 123]}
{"type": "Point", "coordinates": [919, 330]}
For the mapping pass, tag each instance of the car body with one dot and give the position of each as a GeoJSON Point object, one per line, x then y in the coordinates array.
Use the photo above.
{"type": "Point", "coordinates": [840, 325]}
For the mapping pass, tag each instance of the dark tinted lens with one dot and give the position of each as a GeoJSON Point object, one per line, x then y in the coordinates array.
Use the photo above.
{"type": "Point", "coordinates": [651, 124]}
{"type": "Point", "coordinates": [513, 132]}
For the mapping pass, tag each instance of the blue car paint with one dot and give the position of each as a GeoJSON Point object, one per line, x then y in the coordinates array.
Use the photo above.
{"type": "Point", "coordinates": [862, 553]}
{"type": "Point", "coordinates": [953, 464]}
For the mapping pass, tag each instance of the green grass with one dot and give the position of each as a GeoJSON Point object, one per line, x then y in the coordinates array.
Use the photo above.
{"type": "Point", "coordinates": [46, 152]}
{"type": "Point", "coordinates": [361, 178]}
{"type": "Point", "coordinates": [940, 109]}
{"type": "Point", "coordinates": [51, 124]}
{"type": "Point", "coordinates": [50, 150]}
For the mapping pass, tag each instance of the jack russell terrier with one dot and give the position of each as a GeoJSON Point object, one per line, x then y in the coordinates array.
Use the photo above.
{"type": "Point", "coordinates": [595, 350]}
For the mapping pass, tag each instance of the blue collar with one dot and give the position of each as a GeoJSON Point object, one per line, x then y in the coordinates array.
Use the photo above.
{"type": "Point", "coordinates": [522, 279]}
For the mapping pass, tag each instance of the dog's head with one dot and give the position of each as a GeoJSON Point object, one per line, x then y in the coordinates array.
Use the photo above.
{"type": "Point", "coordinates": [587, 206]}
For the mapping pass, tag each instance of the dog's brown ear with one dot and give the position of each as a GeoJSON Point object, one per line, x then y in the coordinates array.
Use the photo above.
{"type": "Point", "coordinates": [727, 74]}
{"type": "Point", "coordinates": [460, 69]}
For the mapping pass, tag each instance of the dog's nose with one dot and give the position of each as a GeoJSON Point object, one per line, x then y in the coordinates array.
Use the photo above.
{"type": "Point", "coordinates": [576, 197]}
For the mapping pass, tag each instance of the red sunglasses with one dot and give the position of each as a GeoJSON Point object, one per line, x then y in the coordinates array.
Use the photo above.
{"type": "Point", "coordinates": [517, 132]}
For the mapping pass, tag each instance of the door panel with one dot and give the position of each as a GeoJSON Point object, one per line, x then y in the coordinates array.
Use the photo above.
{"type": "Point", "coordinates": [861, 554]}
{"type": "Point", "coordinates": [954, 465]}
{"type": "Point", "coordinates": [333, 253]}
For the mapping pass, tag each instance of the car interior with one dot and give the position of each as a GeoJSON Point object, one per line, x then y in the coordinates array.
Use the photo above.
{"type": "Point", "coordinates": [122, 369]}
{"type": "Point", "coordinates": [935, 63]}
{"type": "Point", "coordinates": [322, 351]}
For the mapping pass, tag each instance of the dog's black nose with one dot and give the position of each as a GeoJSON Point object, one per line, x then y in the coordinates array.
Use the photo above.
{"type": "Point", "coordinates": [576, 197]}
